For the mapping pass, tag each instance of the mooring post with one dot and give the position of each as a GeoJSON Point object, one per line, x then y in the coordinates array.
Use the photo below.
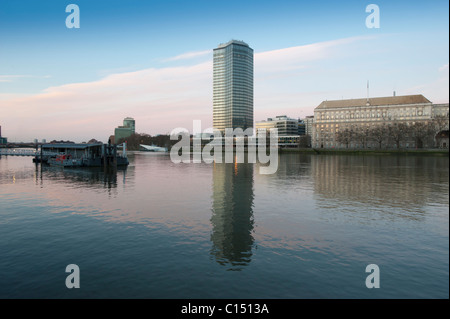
{"type": "Point", "coordinates": [115, 155]}
{"type": "Point", "coordinates": [36, 160]}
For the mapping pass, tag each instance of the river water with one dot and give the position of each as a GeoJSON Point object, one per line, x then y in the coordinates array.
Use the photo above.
{"type": "Point", "coordinates": [165, 230]}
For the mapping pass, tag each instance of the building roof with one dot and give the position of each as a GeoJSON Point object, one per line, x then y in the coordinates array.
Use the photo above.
{"type": "Point", "coordinates": [375, 101]}
{"type": "Point", "coordinates": [277, 118]}
{"type": "Point", "coordinates": [223, 45]}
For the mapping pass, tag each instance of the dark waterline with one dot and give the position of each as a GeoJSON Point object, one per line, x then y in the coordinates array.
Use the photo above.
{"type": "Point", "coordinates": [164, 230]}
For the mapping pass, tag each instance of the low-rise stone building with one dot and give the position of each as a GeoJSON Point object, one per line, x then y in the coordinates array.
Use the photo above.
{"type": "Point", "coordinates": [381, 122]}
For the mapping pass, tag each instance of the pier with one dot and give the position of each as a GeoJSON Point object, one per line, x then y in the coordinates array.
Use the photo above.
{"type": "Point", "coordinates": [22, 152]}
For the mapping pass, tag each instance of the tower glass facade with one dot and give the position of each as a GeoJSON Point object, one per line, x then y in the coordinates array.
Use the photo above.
{"type": "Point", "coordinates": [233, 86]}
{"type": "Point", "coordinates": [130, 123]}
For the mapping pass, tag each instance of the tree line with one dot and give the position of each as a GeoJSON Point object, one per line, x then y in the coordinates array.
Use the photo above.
{"type": "Point", "coordinates": [393, 134]}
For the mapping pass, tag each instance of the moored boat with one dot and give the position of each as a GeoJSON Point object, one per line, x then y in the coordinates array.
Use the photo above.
{"type": "Point", "coordinates": [82, 155]}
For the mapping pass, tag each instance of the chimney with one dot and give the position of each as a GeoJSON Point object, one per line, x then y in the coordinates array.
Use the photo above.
{"type": "Point", "coordinates": [394, 93]}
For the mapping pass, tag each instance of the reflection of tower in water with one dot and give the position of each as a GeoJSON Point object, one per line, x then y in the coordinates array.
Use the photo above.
{"type": "Point", "coordinates": [232, 214]}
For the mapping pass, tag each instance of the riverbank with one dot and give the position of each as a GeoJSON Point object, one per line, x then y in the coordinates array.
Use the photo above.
{"type": "Point", "coordinates": [323, 151]}
{"type": "Point", "coordinates": [428, 152]}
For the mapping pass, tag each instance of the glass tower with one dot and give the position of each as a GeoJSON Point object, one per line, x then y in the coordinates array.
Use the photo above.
{"type": "Point", "coordinates": [233, 86]}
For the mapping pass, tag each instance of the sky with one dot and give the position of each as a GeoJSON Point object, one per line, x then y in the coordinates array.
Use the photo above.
{"type": "Point", "coordinates": [152, 60]}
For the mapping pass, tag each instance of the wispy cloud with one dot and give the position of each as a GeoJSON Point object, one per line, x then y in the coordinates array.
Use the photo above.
{"type": "Point", "coordinates": [297, 57]}
{"type": "Point", "coordinates": [189, 55]}
{"type": "Point", "coordinates": [11, 78]}
{"type": "Point", "coordinates": [444, 68]}
{"type": "Point", "coordinates": [438, 88]}
{"type": "Point", "coordinates": [94, 109]}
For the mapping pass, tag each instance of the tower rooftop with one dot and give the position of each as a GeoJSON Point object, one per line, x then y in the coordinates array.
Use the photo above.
{"type": "Point", "coordinates": [223, 45]}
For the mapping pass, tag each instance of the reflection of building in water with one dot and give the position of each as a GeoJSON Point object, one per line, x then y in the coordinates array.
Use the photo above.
{"type": "Point", "coordinates": [86, 177]}
{"type": "Point", "coordinates": [232, 216]}
{"type": "Point", "coordinates": [375, 181]}
{"type": "Point", "coordinates": [292, 167]}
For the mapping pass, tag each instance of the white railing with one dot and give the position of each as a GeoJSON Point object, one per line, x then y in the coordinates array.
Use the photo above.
{"type": "Point", "coordinates": [17, 152]}
{"type": "Point", "coordinates": [24, 152]}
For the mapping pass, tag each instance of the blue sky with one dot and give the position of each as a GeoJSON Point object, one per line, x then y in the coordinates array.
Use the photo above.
{"type": "Point", "coordinates": [305, 52]}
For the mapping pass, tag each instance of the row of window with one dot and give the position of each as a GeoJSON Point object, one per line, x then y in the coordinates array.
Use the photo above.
{"type": "Point", "coordinates": [370, 114]}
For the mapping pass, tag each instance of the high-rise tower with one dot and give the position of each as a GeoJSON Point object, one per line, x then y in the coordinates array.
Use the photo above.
{"type": "Point", "coordinates": [233, 86]}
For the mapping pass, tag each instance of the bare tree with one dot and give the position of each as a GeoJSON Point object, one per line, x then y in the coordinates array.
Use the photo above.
{"type": "Point", "coordinates": [345, 136]}
{"type": "Point", "coordinates": [397, 132]}
{"type": "Point", "coordinates": [379, 134]}
{"type": "Point", "coordinates": [304, 141]}
{"type": "Point", "coordinates": [423, 133]}
{"type": "Point", "coordinates": [362, 136]}
{"type": "Point", "coordinates": [440, 123]}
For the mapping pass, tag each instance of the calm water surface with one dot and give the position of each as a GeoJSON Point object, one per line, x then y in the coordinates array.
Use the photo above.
{"type": "Point", "coordinates": [164, 230]}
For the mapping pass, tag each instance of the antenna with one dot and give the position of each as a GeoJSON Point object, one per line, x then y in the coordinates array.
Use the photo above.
{"type": "Point", "coordinates": [367, 93]}
{"type": "Point", "coordinates": [367, 90]}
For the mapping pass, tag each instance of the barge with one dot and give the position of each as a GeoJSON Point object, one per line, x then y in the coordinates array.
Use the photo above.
{"type": "Point", "coordinates": [82, 155]}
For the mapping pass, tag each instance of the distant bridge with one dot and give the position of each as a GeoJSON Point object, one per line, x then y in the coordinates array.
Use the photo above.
{"type": "Point", "coordinates": [23, 152]}
{"type": "Point", "coordinates": [17, 152]}
{"type": "Point", "coordinates": [23, 145]}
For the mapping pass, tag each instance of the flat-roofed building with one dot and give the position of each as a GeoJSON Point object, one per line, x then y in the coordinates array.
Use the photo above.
{"type": "Point", "coordinates": [288, 129]}
{"type": "Point", "coordinates": [309, 121]}
{"type": "Point", "coordinates": [361, 118]}
{"type": "Point", "coordinates": [286, 126]}
{"type": "Point", "coordinates": [130, 123]}
{"type": "Point", "coordinates": [301, 127]}
{"type": "Point", "coordinates": [123, 132]}
{"type": "Point", "coordinates": [233, 86]}
{"type": "Point", "coordinates": [3, 140]}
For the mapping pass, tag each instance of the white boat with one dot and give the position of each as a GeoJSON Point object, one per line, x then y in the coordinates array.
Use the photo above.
{"type": "Point", "coordinates": [151, 148]}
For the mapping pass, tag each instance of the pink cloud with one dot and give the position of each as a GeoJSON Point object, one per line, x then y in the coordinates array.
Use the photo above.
{"type": "Point", "coordinates": [157, 98]}
{"type": "Point", "coordinates": [161, 99]}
